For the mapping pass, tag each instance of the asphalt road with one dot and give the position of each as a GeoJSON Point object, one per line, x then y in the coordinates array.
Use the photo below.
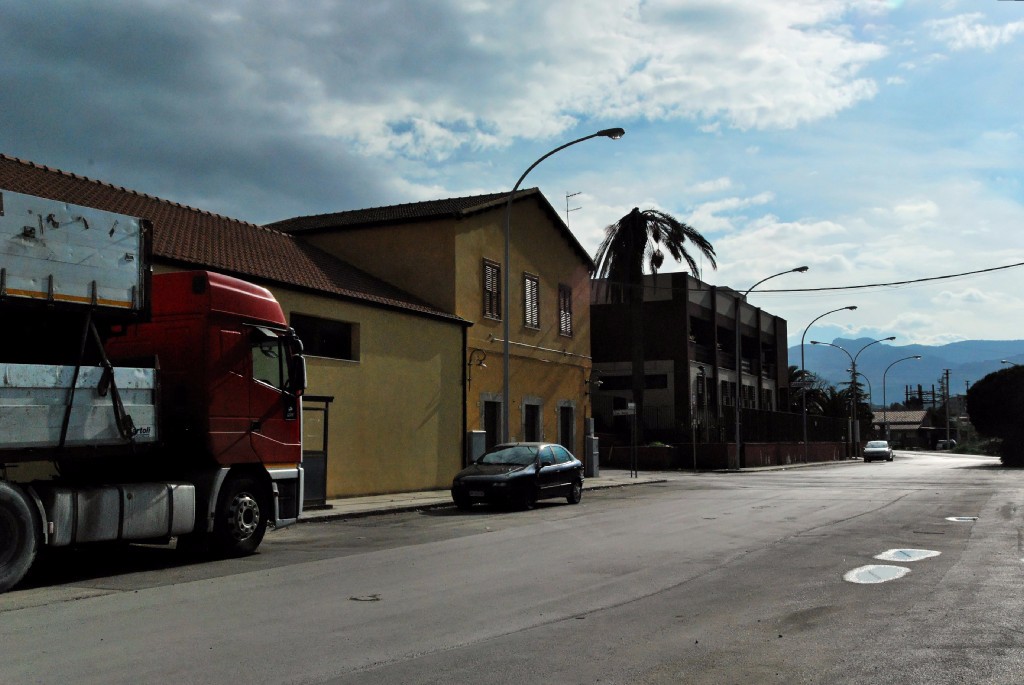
{"type": "Point", "coordinates": [709, 578]}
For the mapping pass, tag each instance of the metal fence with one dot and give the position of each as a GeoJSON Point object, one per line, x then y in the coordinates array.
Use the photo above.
{"type": "Point", "coordinates": [767, 426]}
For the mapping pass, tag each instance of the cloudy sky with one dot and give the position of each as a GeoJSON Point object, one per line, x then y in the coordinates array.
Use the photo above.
{"type": "Point", "coordinates": [875, 141]}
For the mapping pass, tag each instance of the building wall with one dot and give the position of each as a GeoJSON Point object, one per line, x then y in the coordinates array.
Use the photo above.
{"type": "Point", "coordinates": [396, 419]}
{"type": "Point", "coordinates": [442, 262]}
{"type": "Point", "coordinates": [687, 325]}
{"type": "Point", "coordinates": [418, 258]}
{"type": "Point", "coordinates": [544, 365]}
{"type": "Point", "coordinates": [395, 423]}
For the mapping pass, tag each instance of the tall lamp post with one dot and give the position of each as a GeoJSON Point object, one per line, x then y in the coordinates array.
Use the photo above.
{"type": "Point", "coordinates": [739, 358]}
{"type": "Point", "coordinates": [1007, 361]}
{"type": "Point", "coordinates": [803, 370]}
{"type": "Point", "coordinates": [885, 404]}
{"type": "Point", "coordinates": [614, 134]}
{"type": "Point", "coordinates": [853, 381]}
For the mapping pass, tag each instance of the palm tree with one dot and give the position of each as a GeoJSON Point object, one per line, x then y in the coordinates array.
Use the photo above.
{"type": "Point", "coordinates": [816, 391]}
{"type": "Point", "coordinates": [835, 402]}
{"type": "Point", "coordinates": [628, 244]}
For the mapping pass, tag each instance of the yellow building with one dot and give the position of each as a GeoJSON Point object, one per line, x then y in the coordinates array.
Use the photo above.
{"type": "Point", "coordinates": [391, 364]}
{"type": "Point", "coordinates": [450, 253]}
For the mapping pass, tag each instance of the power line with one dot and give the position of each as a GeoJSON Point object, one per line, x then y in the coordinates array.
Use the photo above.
{"type": "Point", "coordinates": [894, 283]}
{"type": "Point", "coordinates": [864, 286]}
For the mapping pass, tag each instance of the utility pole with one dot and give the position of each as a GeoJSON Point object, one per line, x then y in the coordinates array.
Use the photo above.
{"type": "Point", "coordinates": [945, 392]}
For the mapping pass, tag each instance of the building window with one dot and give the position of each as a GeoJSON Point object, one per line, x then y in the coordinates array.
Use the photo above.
{"type": "Point", "coordinates": [728, 391]}
{"type": "Point", "coordinates": [492, 290]}
{"type": "Point", "coordinates": [327, 338]}
{"type": "Point", "coordinates": [564, 310]}
{"type": "Point", "coordinates": [531, 301]}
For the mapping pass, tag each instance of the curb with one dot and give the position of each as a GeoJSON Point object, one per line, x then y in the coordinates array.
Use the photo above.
{"type": "Point", "coordinates": [424, 506]}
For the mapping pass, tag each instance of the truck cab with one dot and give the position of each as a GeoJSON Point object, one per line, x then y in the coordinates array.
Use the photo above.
{"type": "Point", "coordinates": [231, 379]}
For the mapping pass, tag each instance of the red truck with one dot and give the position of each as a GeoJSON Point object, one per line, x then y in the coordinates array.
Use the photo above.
{"type": "Point", "coordinates": [136, 407]}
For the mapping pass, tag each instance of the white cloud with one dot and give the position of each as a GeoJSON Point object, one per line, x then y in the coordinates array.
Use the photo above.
{"type": "Point", "coordinates": [741, 63]}
{"type": "Point", "coordinates": [707, 219]}
{"type": "Point", "coordinates": [964, 298]}
{"type": "Point", "coordinates": [704, 187]}
{"type": "Point", "coordinates": [966, 31]}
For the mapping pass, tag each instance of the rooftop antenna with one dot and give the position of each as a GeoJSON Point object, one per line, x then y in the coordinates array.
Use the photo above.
{"type": "Point", "coordinates": [567, 210]}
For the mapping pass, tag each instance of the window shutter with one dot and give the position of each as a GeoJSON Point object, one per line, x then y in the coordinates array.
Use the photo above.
{"type": "Point", "coordinates": [531, 303]}
{"type": "Point", "coordinates": [492, 290]}
{"type": "Point", "coordinates": [564, 310]}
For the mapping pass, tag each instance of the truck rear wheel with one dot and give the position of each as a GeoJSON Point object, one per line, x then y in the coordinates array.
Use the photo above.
{"type": "Point", "coordinates": [19, 538]}
{"type": "Point", "coordinates": [241, 519]}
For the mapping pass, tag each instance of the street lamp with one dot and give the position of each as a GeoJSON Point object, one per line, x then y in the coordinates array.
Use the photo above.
{"type": "Point", "coordinates": [614, 134]}
{"type": "Point", "coordinates": [739, 359]}
{"type": "Point", "coordinates": [803, 370]}
{"type": "Point", "coordinates": [853, 381]}
{"type": "Point", "coordinates": [885, 405]}
{"type": "Point", "coordinates": [1007, 361]}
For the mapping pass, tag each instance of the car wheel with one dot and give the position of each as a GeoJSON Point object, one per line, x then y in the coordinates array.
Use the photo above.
{"type": "Point", "coordinates": [890, 458]}
{"type": "Point", "coordinates": [575, 493]}
{"type": "Point", "coordinates": [866, 460]}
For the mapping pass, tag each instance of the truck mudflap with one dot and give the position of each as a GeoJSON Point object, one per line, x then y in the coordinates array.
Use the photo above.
{"type": "Point", "coordinates": [287, 488]}
{"type": "Point", "coordinates": [127, 511]}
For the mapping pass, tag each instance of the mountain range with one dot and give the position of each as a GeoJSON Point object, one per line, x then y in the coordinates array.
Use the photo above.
{"type": "Point", "coordinates": [967, 360]}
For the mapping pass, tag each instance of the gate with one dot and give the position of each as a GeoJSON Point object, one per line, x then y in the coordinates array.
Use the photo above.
{"type": "Point", "coordinates": [314, 449]}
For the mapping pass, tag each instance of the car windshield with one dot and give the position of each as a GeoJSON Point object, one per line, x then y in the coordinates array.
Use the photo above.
{"type": "Point", "coordinates": [513, 454]}
{"type": "Point", "coordinates": [877, 444]}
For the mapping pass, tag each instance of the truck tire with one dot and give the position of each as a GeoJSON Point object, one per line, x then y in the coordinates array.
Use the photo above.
{"type": "Point", "coordinates": [19, 536]}
{"type": "Point", "coordinates": [241, 518]}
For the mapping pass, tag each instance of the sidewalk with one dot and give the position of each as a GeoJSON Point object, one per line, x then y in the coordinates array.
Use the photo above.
{"type": "Point", "coordinates": [356, 507]}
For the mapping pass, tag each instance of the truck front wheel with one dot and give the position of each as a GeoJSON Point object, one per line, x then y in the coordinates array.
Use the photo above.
{"type": "Point", "coordinates": [19, 539]}
{"type": "Point", "coordinates": [241, 519]}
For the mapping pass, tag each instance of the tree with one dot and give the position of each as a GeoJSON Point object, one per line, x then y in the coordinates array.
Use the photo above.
{"type": "Point", "coordinates": [996, 405]}
{"type": "Point", "coordinates": [815, 390]}
{"type": "Point", "coordinates": [628, 244]}
{"type": "Point", "coordinates": [834, 402]}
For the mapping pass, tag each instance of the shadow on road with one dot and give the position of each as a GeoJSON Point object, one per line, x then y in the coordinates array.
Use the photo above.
{"type": "Point", "coordinates": [61, 565]}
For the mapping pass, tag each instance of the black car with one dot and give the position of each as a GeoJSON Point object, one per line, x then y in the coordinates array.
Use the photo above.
{"type": "Point", "coordinates": [519, 474]}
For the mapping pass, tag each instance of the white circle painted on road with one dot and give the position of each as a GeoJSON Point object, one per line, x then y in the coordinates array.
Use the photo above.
{"type": "Point", "coordinates": [875, 573]}
{"type": "Point", "coordinates": [907, 554]}
{"type": "Point", "coordinates": [962, 519]}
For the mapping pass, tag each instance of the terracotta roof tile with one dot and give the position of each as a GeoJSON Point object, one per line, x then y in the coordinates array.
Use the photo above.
{"type": "Point", "coordinates": [913, 417]}
{"type": "Point", "coordinates": [200, 239]}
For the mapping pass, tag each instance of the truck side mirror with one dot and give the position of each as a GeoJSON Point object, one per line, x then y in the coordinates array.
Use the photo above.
{"type": "Point", "coordinates": [297, 374]}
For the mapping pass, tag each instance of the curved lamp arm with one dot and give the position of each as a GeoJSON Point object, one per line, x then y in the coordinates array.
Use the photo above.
{"type": "Point", "coordinates": [614, 134]}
